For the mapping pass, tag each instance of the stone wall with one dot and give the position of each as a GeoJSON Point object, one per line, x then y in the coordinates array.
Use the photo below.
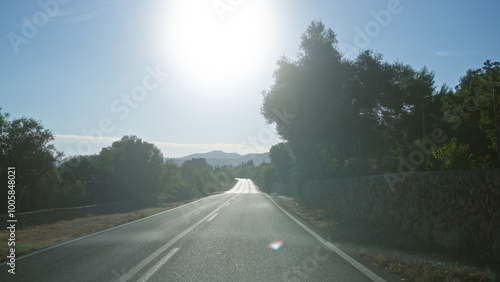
{"type": "Point", "coordinates": [456, 209]}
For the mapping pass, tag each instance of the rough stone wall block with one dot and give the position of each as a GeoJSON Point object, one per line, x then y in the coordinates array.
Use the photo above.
{"type": "Point", "coordinates": [457, 210]}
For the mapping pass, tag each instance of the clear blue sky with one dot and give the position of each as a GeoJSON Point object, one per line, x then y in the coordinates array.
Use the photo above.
{"type": "Point", "coordinates": [188, 75]}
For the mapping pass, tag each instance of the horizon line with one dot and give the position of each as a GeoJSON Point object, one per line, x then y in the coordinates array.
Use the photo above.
{"type": "Point", "coordinates": [241, 149]}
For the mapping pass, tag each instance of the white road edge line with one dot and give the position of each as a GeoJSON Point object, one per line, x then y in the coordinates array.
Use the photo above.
{"type": "Point", "coordinates": [105, 230]}
{"type": "Point", "coordinates": [131, 273]}
{"type": "Point", "coordinates": [159, 264]}
{"type": "Point", "coordinates": [370, 274]}
{"type": "Point", "coordinates": [212, 217]}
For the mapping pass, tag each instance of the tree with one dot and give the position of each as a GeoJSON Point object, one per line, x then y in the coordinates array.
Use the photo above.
{"type": "Point", "coordinates": [488, 83]}
{"type": "Point", "coordinates": [197, 174]}
{"type": "Point", "coordinates": [225, 177]}
{"type": "Point", "coordinates": [25, 145]}
{"type": "Point", "coordinates": [307, 100]}
{"type": "Point", "coordinates": [335, 112]}
{"type": "Point", "coordinates": [3, 121]}
{"type": "Point", "coordinates": [470, 112]}
{"type": "Point", "coordinates": [455, 156]}
{"type": "Point", "coordinates": [281, 157]}
{"type": "Point", "coordinates": [265, 176]}
{"type": "Point", "coordinates": [135, 168]}
{"type": "Point", "coordinates": [80, 167]}
{"type": "Point", "coordinates": [171, 181]}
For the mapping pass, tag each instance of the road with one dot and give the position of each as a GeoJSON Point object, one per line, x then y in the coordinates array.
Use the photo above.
{"type": "Point", "coordinates": [224, 237]}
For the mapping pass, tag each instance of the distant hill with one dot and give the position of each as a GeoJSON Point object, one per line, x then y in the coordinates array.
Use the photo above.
{"type": "Point", "coordinates": [219, 158]}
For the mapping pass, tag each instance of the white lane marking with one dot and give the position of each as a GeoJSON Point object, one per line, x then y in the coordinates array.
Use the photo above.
{"type": "Point", "coordinates": [151, 257]}
{"type": "Point", "coordinates": [159, 264]}
{"type": "Point", "coordinates": [213, 216]}
{"type": "Point", "coordinates": [228, 204]}
{"type": "Point", "coordinates": [105, 230]}
{"type": "Point", "coordinates": [370, 274]}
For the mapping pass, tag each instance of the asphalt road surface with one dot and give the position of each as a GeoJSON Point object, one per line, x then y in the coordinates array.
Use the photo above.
{"type": "Point", "coordinates": [240, 235]}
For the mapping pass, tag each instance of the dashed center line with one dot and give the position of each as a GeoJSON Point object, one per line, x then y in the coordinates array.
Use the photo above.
{"type": "Point", "coordinates": [159, 264]}
{"type": "Point", "coordinates": [132, 272]}
{"type": "Point", "coordinates": [212, 217]}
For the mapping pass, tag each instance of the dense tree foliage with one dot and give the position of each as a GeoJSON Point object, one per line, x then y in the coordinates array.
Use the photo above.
{"type": "Point", "coordinates": [171, 181]}
{"type": "Point", "coordinates": [135, 167]}
{"type": "Point", "coordinates": [25, 145]}
{"type": "Point", "coordinates": [128, 169]}
{"type": "Point", "coordinates": [265, 175]}
{"type": "Point", "coordinates": [343, 117]}
{"type": "Point", "coordinates": [470, 113]}
{"type": "Point", "coordinates": [281, 156]}
{"type": "Point", "coordinates": [197, 174]}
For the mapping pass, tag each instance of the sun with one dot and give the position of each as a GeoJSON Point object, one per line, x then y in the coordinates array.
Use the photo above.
{"type": "Point", "coordinates": [211, 49]}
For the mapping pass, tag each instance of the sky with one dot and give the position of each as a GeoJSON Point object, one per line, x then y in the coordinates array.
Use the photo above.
{"type": "Point", "coordinates": [188, 75]}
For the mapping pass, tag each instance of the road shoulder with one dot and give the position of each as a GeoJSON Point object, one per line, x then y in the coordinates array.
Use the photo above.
{"type": "Point", "coordinates": [34, 238]}
{"type": "Point", "coordinates": [389, 248]}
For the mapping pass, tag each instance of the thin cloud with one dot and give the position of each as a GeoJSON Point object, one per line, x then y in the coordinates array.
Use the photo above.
{"type": "Point", "coordinates": [214, 146]}
{"type": "Point", "coordinates": [72, 141]}
{"type": "Point", "coordinates": [447, 53]}
{"type": "Point", "coordinates": [90, 11]}
{"type": "Point", "coordinates": [75, 18]}
{"type": "Point", "coordinates": [77, 138]}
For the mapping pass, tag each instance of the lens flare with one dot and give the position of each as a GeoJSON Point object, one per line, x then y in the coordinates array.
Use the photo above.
{"type": "Point", "coordinates": [275, 245]}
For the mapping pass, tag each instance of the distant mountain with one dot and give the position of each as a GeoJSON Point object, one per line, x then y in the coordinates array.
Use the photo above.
{"type": "Point", "coordinates": [219, 158]}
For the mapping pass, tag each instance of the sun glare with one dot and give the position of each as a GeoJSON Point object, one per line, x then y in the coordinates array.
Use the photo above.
{"type": "Point", "coordinates": [211, 49]}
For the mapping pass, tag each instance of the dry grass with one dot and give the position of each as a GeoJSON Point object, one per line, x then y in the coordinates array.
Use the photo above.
{"type": "Point", "coordinates": [421, 271]}
{"type": "Point", "coordinates": [34, 238]}
{"type": "Point", "coordinates": [316, 217]}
